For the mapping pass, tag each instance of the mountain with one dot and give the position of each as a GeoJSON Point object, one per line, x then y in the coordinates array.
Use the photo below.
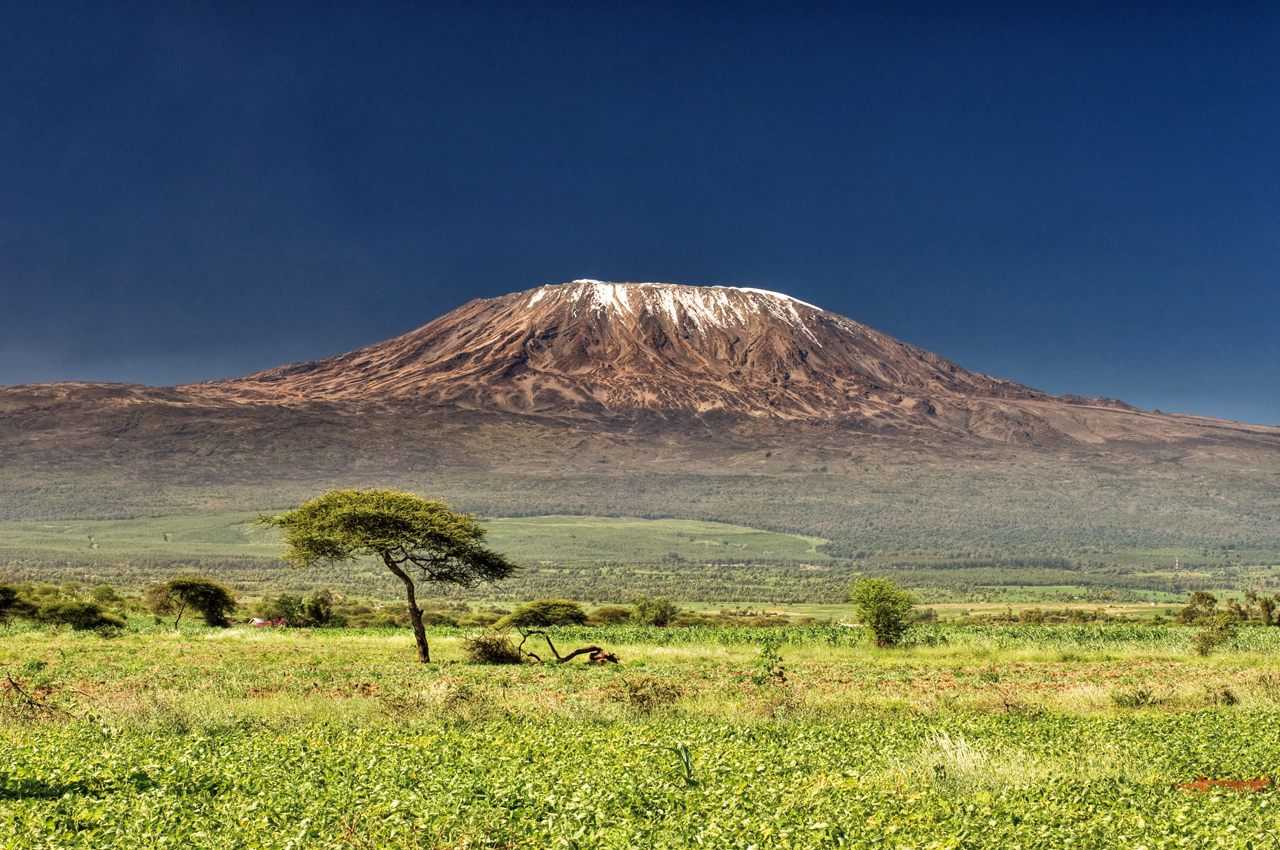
{"type": "Point", "coordinates": [615, 347]}
{"type": "Point", "coordinates": [655, 399]}
{"type": "Point", "coordinates": [602, 352]}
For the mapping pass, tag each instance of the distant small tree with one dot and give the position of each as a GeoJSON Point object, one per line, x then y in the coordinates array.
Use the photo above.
{"type": "Point", "coordinates": [318, 608]}
{"type": "Point", "coordinates": [213, 601]}
{"type": "Point", "coordinates": [416, 539]}
{"type": "Point", "coordinates": [658, 611]}
{"type": "Point", "coordinates": [1201, 605]}
{"type": "Point", "coordinates": [1265, 606]}
{"type": "Point", "coordinates": [1214, 631]}
{"type": "Point", "coordinates": [1267, 610]}
{"type": "Point", "coordinates": [543, 613]}
{"type": "Point", "coordinates": [882, 607]}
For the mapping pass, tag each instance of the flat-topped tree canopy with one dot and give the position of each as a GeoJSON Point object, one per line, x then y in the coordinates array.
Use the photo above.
{"type": "Point", "coordinates": [417, 539]}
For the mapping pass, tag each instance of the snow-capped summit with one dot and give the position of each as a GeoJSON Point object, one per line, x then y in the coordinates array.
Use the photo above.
{"type": "Point", "coordinates": [591, 346]}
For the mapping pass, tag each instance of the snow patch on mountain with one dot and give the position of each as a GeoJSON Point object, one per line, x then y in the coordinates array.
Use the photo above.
{"type": "Point", "coordinates": [704, 306]}
{"type": "Point", "coordinates": [770, 293]}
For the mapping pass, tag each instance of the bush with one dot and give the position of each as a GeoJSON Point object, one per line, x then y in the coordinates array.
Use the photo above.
{"type": "Point", "coordinates": [643, 693]}
{"type": "Point", "coordinates": [318, 609]}
{"type": "Point", "coordinates": [658, 611]}
{"type": "Point", "coordinates": [769, 667]}
{"type": "Point", "coordinates": [81, 616]}
{"type": "Point", "coordinates": [286, 606]}
{"type": "Point", "coordinates": [315, 611]}
{"type": "Point", "coordinates": [883, 607]}
{"type": "Point", "coordinates": [492, 648]}
{"type": "Point", "coordinates": [1215, 631]}
{"type": "Point", "coordinates": [1200, 606]}
{"type": "Point", "coordinates": [481, 619]}
{"type": "Point", "coordinates": [1136, 698]}
{"type": "Point", "coordinates": [105, 594]}
{"type": "Point", "coordinates": [543, 613]}
{"type": "Point", "coordinates": [436, 617]}
{"type": "Point", "coordinates": [610, 615]}
{"type": "Point", "coordinates": [13, 605]}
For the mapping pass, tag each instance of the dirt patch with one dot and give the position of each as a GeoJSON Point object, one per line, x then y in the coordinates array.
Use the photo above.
{"type": "Point", "coordinates": [1262, 783]}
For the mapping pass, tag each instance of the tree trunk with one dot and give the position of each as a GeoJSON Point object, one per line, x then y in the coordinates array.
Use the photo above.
{"type": "Point", "coordinates": [415, 613]}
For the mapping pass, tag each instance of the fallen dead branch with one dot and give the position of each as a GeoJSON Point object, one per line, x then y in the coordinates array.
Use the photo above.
{"type": "Point", "coordinates": [595, 654]}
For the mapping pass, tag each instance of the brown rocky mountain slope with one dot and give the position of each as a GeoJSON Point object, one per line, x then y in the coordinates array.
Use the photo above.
{"type": "Point", "coordinates": [590, 351]}
{"type": "Point", "coordinates": [667, 362]}
{"type": "Point", "coordinates": [616, 347]}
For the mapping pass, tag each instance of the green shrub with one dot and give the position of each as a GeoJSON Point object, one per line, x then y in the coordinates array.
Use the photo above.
{"type": "Point", "coordinates": [882, 607]}
{"type": "Point", "coordinates": [317, 609]}
{"type": "Point", "coordinates": [436, 617]}
{"type": "Point", "coordinates": [286, 606]}
{"type": "Point", "coordinates": [105, 594]}
{"type": "Point", "coordinates": [81, 616]}
{"type": "Point", "coordinates": [1200, 606]}
{"type": "Point", "coordinates": [481, 619]}
{"type": "Point", "coordinates": [1136, 698]}
{"type": "Point", "coordinates": [769, 668]}
{"type": "Point", "coordinates": [12, 604]}
{"type": "Point", "coordinates": [1214, 632]}
{"type": "Point", "coordinates": [658, 611]}
{"type": "Point", "coordinates": [610, 615]}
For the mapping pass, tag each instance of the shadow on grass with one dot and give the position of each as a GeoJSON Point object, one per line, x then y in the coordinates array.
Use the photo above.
{"type": "Point", "coordinates": [37, 789]}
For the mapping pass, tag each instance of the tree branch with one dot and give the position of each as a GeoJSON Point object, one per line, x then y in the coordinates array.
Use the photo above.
{"type": "Point", "coordinates": [596, 654]}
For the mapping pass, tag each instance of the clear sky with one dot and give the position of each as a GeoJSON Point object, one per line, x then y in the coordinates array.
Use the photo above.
{"type": "Point", "coordinates": [1082, 201]}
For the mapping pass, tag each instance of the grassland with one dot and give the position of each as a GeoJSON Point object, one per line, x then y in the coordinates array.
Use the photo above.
{"type": "Point", "coordinates": [586, 557]}
{"type": "Point", "coordinates": [560, 539]}
{"type": "Point", "coordinates": [609, 559]}
{"type": "Point", "coordinates": [990, 738]}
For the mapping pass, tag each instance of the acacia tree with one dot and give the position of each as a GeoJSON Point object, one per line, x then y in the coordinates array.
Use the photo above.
{"type": "Point", "coordinates": [542, 613]}
{"type": "Point", "coordinates": [213, 600]}
{"type": "Point", "coordinates": [535, 618]}
{"type": "Point", "coordinates": [417, 539]}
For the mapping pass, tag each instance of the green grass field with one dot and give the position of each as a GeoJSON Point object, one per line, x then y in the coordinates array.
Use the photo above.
{"type": "Point", "coordinates": [561, 539]}
{"type": "Point", "coordinates": [602, 559]}
{"type": "Point", "coordinates": [1033, 737]}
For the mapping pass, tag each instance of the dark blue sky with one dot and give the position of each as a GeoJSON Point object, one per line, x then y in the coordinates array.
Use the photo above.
{"type": "Point", "coordinates": [1082, 201]}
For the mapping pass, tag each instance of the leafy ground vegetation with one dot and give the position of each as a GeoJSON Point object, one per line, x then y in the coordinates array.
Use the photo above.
{"type": "Point", "coordinates": [603, 558]}
{"type": "Point", "coordinates": [1001, 735]}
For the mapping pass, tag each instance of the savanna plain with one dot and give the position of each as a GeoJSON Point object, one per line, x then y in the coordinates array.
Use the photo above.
{"type": "Point", "coordinates": [965, 735]}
